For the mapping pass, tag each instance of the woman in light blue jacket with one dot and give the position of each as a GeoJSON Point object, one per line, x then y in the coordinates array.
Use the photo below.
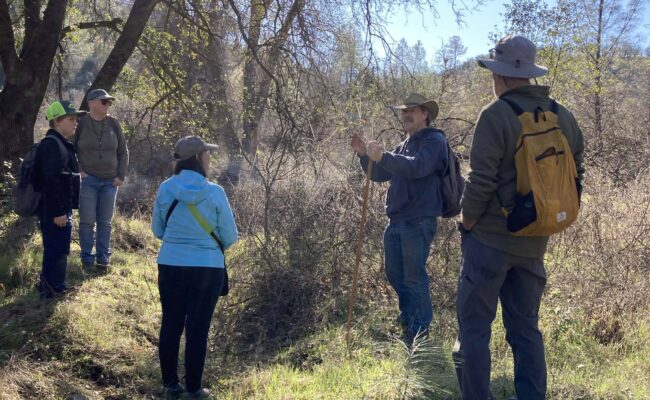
{"type": "Point", "coordinates": [191, 264]}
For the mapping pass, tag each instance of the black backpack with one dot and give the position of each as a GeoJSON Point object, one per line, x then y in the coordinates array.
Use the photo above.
{"type": "Point", "coordinates": [453, 184]}
{"type": "Point", "coordinates": [26, 196]}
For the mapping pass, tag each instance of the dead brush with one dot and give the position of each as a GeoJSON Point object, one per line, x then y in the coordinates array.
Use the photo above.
{"type": "Point", "coordinates": [602, 263]}
{"type": "Point", "coordinates": [292, 272]}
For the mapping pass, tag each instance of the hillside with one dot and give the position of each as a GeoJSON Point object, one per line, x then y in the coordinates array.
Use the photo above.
{"type": "Point", "coordinates": [275, 340]}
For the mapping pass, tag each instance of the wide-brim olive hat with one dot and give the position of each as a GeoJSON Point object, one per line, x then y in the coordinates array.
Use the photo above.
{"type": "Point", "coordinates": [61, 109]}
{"type": "Point", "coordinates": [417, 100]}
{"type": "Point", "coordinates": [514, 57]}
{"type": "Point", "coordinates": [190, 146]}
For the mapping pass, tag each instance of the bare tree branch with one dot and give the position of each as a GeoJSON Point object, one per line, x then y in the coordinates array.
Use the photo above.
{"type": "Point", "coordinates": [113, 24]}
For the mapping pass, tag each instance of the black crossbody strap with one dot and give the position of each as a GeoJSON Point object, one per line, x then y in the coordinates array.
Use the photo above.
{"type": "Point", "coordinates": [171, 210]}
{"type": "Point", "coordinates": [212, 234]}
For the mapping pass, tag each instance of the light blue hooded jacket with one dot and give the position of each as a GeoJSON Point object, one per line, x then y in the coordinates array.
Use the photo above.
{"type": "Point", "coordinates": [185, 242]}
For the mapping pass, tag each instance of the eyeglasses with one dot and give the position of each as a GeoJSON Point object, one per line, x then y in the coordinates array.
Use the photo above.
{"type": "Point", "coordinates": [106, 101]}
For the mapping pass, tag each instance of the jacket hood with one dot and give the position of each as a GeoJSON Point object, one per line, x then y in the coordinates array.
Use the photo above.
{"type": "Point", "coordinates": [188, 186]}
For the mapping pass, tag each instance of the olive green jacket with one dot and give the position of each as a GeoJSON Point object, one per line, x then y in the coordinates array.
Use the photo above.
{"type": "Point", "coordinates": [492, 164]}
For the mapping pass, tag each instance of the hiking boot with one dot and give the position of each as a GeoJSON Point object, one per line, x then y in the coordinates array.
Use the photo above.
{"type": "Point", "coordinates": [199, 394]}
{"type": "Point", "coordinates": [173, 392]}
{"type": "Point", "coordinates": [88, 265]}
{"type": "Point", "coordinates": [103, 265]}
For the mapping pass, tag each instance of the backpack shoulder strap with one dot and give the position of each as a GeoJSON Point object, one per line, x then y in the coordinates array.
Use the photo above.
{"type": "Point", "coordinates": [113, 123]}
{"type": "Point", "coordinates": [62, 150]}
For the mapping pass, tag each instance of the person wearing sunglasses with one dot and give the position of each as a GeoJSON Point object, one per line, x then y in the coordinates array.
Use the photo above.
{"type": "Point", "coordinates": [56, 175]}
{"type": "Point", "coordinates": [104, 159]}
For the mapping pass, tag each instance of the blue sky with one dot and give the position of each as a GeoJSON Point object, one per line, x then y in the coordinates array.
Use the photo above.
{"type": "Point", "coordinates": [413, 26]}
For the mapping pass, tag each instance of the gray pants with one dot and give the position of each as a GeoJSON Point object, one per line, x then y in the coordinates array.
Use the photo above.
{"type": "Point", "coordinates": [486, 275]}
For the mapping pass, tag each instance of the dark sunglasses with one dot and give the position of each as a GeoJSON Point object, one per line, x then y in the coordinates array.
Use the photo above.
{"type": "Point", "coordinates": [106, 101]}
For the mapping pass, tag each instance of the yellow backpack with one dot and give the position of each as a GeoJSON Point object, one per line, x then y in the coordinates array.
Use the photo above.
{"type": "Point", "coordinates": [547, 197]}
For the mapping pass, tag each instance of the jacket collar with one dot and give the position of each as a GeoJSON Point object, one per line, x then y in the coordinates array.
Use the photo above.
{"type": "Point", "coordinates": [422, 133]}
{"type": "Point", "coordinates": [533, 91]}
{"type": "Point", "coordinates": [54, 132]}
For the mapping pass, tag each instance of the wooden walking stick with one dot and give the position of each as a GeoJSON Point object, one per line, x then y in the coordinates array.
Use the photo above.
{"type": "Point", "coordinates": [357, 261]}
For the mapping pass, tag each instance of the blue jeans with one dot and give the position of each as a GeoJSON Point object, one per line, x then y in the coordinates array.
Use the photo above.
{"type": "Point", "coordinates": [406, 248]}
{"type": "Point", "coordinates": [96, 205]}
{"type": "Point", "coordinates": [56, 247]}
{"type": "Point", "coordinates": [487, 275]}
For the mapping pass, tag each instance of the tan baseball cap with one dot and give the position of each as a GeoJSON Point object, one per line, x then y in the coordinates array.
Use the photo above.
{"type": "Point", "coordinates": [189, 146]}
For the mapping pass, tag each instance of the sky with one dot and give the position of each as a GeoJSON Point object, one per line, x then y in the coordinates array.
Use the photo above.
{"type": "Point", "coordinates": [413, 26]}
{"type": "Point", "coordinates": [477, 25]}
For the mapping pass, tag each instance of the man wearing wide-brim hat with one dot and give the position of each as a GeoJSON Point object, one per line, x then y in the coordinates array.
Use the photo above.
{"type": "Point", "coordinates": [496, 264]}
{"type": "Point", "coordinates": [413, 203]}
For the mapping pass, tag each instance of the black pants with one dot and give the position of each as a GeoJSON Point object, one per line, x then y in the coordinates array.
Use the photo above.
{"type": "Point", "coordinates": [488, 275]}
{"type": "Point", "coordinates": [56, 247]}
{"type": "Point", "coordinates": [188, 296]}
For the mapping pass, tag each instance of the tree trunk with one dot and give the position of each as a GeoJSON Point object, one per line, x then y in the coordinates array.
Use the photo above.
{"type": "Point", "coordinates": [258, 92]}
{"type": "Point", "coordinates": [250, 98]}
{"type": "Point", "coordinates": [124, 47]}
{"type": "Point", "coordinates": [27, 76]}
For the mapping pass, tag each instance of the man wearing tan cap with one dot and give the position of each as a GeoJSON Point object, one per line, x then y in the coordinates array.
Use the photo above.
{"type": "Point", "coordinates": [496, 263]}
{"type": "Point", "coordinates": [413, 202]}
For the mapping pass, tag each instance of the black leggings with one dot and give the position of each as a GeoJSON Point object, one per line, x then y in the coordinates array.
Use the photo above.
{"type": "Point", "coordinates": [188, 296]}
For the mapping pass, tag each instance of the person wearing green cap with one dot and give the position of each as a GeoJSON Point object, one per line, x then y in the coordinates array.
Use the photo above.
{"type": "Point", "coordinates": [57, 177]}
{"type": "Point", "coordinates": [104, 159]}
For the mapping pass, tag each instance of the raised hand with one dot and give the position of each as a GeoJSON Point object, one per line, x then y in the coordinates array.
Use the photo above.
{"type": "Point", "coordinates": [358, 144]}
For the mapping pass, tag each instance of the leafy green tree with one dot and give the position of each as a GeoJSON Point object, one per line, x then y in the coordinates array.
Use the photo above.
{"type": "Point", "coordinates": [38, 32]}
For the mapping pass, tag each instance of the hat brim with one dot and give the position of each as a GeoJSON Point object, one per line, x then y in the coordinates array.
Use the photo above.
{"type": "Point", "coordinates": [103, 97]}
{"type": "Point", "coordinates": [77, 113]}
{"type": "Point", "coordinates": [211, 147]}
{"type": "Point", "coordinates": [525, 71]}
{"type": "Point", "coordinates": [430, 105]}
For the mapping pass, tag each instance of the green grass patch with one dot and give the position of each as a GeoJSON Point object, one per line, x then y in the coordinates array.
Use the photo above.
{"type": "Point", "coordinates": [100, 341]}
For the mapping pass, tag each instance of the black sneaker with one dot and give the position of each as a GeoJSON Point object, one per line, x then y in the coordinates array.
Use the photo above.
{"type": "Point", "coordinates": [173, 392]}
{"type": "Point", "coordinates": [199, 394]}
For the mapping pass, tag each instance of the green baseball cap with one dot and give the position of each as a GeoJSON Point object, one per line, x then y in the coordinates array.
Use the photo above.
{"type": "Point", "coordinates": [61, 108]}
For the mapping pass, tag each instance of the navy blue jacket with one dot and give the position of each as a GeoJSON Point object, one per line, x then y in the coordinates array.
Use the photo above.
{"type": "Point", "coordinates": [59, 185]}
{"type": "Point", "coordinates": [414, 170]}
